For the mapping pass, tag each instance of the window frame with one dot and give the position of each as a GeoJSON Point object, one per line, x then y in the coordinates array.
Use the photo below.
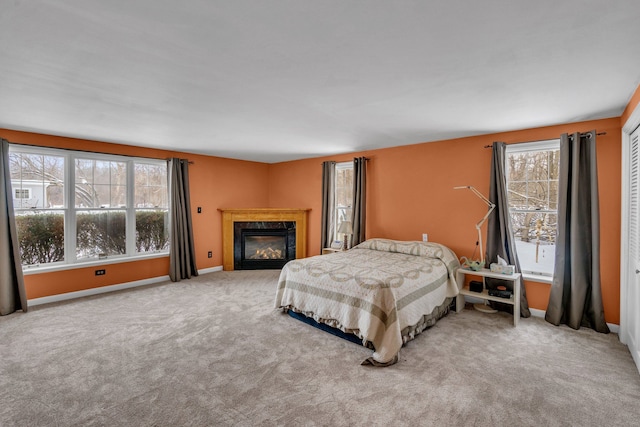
{"type": "Point", "coordinates": [527, 147]}
{"type": "Point", "coordinates": [70, 210]}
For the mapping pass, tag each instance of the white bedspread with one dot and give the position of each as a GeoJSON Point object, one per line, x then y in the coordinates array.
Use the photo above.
{"type": "Point", "coordinates": [374, 290]}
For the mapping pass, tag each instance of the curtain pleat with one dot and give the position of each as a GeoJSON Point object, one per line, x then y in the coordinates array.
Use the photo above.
{"type": "Point", "coordinates": [576, 298]}
{"type": "Point", "coordinates": [13, 296]}
{"type": "Point", "coordinates": [359, 213]}
{"type": "Point", "coordinates": [500, 239]}
{"type": "Point", "coordinates": [328, 203]}
{"type": "Point", "coordinates": [182, 258]}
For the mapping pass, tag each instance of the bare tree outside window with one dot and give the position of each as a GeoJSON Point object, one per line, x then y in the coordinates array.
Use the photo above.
{"type": "Point", "coordinates": [100, 184]}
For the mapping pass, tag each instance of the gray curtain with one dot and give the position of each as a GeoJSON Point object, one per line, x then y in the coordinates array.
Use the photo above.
{"type": "Point", "coordinates": [359, 213]}
{"type": "Point", "coordinates": [328, 203]}
{"type": "Point", "coordinates": [576, 298]}
{"type": "Point", "coordinates": [12, 292]}
{"type": "Point", "coordinates": [182, 256]}
{"type": "Point", "coordinates": [500, 239]}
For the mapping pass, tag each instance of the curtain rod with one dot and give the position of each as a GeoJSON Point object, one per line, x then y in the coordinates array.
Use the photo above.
{"type": "Point", "coordinates": [366, 159]}
{"type": "Point", "coordinates": [94, 152]}
{"type": "Point", "coordinates": [191, 162]}
{"type": "Point", "coordinates": [536, 140]}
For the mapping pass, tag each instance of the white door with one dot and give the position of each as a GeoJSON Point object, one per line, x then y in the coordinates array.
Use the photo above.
{"type": "Point", "coordinates": [630, 291]}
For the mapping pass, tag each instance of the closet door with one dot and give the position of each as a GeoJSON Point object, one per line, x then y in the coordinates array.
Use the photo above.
{"type": "Point", "coordinates": [631, 294]}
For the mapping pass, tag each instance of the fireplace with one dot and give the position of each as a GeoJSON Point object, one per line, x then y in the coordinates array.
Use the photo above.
{"type": "Point", "coordinates": [234, 220]}
{"type": "Point", "coordinates": [263, 244]}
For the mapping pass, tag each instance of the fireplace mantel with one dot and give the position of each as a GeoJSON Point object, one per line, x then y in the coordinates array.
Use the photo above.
{"type": "Point", "coordinates": [231, 215]}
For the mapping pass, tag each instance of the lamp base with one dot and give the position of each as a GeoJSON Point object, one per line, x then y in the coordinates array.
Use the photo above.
{"type": "Point", "coordinates": [484, 308]}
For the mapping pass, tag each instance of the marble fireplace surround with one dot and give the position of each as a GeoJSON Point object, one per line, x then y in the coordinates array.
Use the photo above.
{"type": "Point", "coordinates": [233, 215]}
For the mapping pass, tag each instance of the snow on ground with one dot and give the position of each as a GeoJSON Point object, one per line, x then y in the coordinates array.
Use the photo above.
{"type": "Point", "coordinates": [527, 257]}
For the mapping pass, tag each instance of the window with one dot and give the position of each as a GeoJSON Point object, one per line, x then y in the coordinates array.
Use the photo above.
{"type": "Point", "coordinates": [532, 183]}
{"type": "Point", "coordinates": [100, 195]}
{"type": "Point", "coordinates": [22, 193]}
{"type": "Point", "coordinates": [344, 195]}
{"type": "Point", "coordinates": [85, 206]}
{"type": "Point", "coordinates": [40, 218]}
{"type": "Point", "coordinates": [151, 207]}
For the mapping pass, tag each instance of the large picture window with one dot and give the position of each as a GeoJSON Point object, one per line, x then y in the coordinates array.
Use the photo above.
{"type": "Point", "coordinates": [73, 206]}
{"type": "Point", "coordinates": [532, 182]}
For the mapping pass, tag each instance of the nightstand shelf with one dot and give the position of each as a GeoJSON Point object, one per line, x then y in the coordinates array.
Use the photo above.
{"type": "Point", "coordinates": [330, 250]}
{"type": "Point", "coordinates": [484, 295]}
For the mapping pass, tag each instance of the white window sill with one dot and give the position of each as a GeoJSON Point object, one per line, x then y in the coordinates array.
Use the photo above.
{"type": "Point", "coordinates": [26, 271]}
{"type": "Point", "coordinates": [537, 278]}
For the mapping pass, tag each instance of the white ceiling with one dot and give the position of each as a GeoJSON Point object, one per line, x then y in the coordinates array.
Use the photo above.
{"type": "Point", "coordinates": [280, 80]}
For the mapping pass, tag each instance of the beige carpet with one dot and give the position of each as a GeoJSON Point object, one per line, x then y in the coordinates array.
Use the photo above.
{"type": "Point", "coordinates": [212, 351]}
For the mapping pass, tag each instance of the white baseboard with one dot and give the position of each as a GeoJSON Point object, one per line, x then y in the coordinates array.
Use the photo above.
{"type": "Point", "coordinates": [111, 288]}
{"type": "Point", "coordinates": [537, 313]}
{"type": "Point", "coordinates": [540, 313]}
{"type": "Point", "coordinates": [210, 270]}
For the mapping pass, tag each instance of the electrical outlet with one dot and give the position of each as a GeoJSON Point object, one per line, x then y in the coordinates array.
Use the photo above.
{"type": "Point", "coordinates": [209, 254]}
{"type": "Point", "coordinates": [425, 237]}
{"type": "Point", "coordinates": [101, 272]}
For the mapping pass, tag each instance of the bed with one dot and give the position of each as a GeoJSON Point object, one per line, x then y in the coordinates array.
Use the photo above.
{"type": "Point", "coordinates": [385, 292]}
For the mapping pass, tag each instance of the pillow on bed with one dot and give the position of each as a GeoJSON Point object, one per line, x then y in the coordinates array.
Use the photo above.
{"type": "Point", "coordinates": [417, 248]}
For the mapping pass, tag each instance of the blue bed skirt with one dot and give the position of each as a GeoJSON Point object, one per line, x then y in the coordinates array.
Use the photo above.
{"type": "Point", "coordinates": [326, 328]}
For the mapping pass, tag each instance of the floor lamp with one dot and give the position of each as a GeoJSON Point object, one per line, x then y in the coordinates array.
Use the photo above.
{"type": "Point", "coordinates": [483, 219]}
{"type": "Point", "coordinates": [481, 307]}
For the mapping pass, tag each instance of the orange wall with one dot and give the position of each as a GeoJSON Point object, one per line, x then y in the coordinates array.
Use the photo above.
{"type": "Point", "coordinates": [410, 192]}
{"type": "Point", "coordinates": [215, 183]}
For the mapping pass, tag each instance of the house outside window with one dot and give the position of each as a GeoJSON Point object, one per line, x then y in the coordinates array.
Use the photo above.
{"type": "Point", "coordinates": [343, 195]}
{"type": "Point", "coordinates": [86, 206]}
{"type": "Point", "coordinates": [532, 184]}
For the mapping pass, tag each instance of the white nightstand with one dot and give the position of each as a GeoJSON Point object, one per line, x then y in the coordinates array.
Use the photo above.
{"type": "Point", "coordinates": [484, 273]}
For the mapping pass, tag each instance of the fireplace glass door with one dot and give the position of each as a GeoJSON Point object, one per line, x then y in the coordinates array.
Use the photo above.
{"type": "Point", "coordinates": [265, 247]}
